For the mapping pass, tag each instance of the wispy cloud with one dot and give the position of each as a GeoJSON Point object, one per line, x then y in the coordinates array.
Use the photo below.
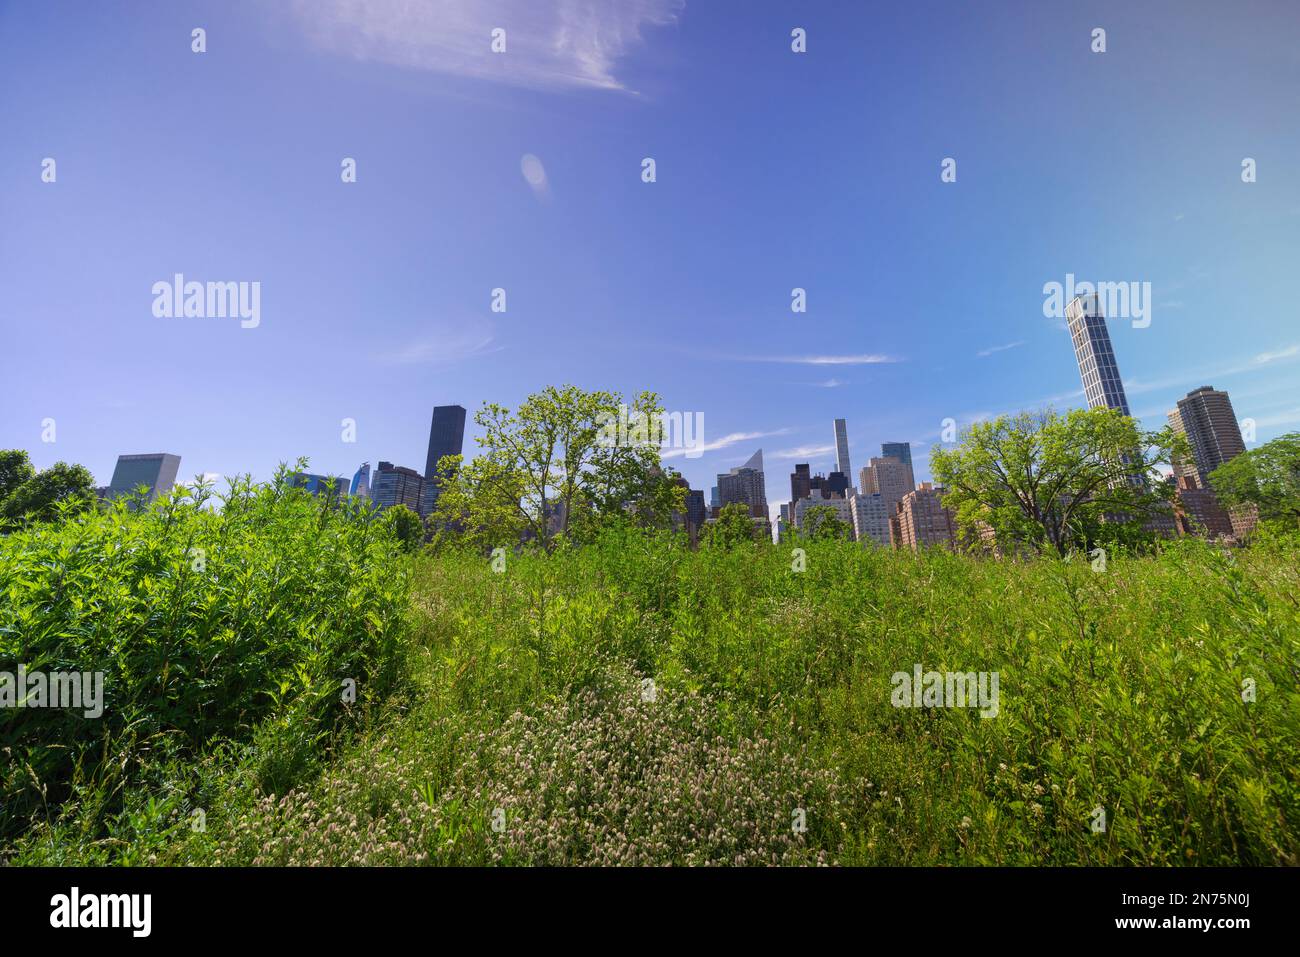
{"type": "Point", "coordinates": [549, 44]}
{"type": "Point", "coordinates": [1205, 375]}
{"type": "Point", "coordinates": [446, 346]}
{"type": "Point", "coordinates": [1286, 353]}
{"type": "Point", "coordinates": [726, 442]}
{"type": "Point", "coordinates": [804, 452]}
{"type": "Point", "coordinates": [985, 353]}
{"type": "Point", "coordinates": [846, 360]}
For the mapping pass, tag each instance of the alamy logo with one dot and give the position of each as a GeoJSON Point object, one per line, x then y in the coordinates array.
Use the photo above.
{"type": "Point", "coordinates": [946, 689]}
{"type": "Point", "coordinates": [179, 299]}
{"type": "Point", "coordinates": [669, 430]}
{"type": "Point", "coordinates": [103, 910]}
{"type": "Point", "coordinates": [76, 690]}
{"type": "Point", "coordinates": [1120, 300]}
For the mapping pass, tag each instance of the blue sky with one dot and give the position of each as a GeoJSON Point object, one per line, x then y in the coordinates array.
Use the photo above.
{"type": "Point", "coordinates": [775, 170]}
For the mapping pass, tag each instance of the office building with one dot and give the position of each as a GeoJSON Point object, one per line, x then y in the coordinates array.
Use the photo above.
{"type": "Point", "coordinates": [921, 520]}
{"type": "Point", "coordinates": [696, 513]}
{"type": "Point", "coordinates": [897, 450]}
{"type": "Point", "coordinates": [361, 481]}
{"type": "Point", "coordinates": [1092, 350]}
{"type": "Point", "coordinates": [446, 436]}
{"type": "Point", "coordinates": [155, 470]}
{"type": "Point", "coordinates": [842, 448]}
{"type": "Point", "coordinates": [800, 482]}
{"type": "Point", "coordinates": [1207, 418]}
{"type": "Point", "coordinates": [890, 477]}
{"type": "Point", "coordinates": [745, 485]}
{"type": "Point", "coordinates": [397, 485]}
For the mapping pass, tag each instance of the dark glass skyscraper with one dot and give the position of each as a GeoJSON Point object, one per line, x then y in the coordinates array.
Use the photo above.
{"type": "Point", "coordinates": [446, 435]}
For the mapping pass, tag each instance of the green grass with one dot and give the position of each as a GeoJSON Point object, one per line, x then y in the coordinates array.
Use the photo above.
{"type": "Point", "coordinates": [524, 692]}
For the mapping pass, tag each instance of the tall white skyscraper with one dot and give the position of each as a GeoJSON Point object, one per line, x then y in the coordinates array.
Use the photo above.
{"type": "Point", "coordinates": [1096, 358]}
{"type": "Point", "coordinates": [842, 450]}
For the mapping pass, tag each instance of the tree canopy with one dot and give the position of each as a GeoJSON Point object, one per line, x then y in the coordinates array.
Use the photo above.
{"type": "Point", "coordinates": [1058, 481]}
{"type": "Point", "coordinates": [27, 495]}
{"type": "Point", "coordinates": [1267, 477]}
{"type": "Point", "coordinates": [564, 464]}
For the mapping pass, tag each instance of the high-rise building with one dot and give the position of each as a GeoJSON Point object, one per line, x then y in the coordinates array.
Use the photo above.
{"type": "Point", "coordinates": [840, 506]}
{"type": "Point", "coordinates": [889, 476]}
{"type": "Point", "coordinates": [870, 518]}
{"type": "Point", "coordinates": [156, 470]}
{"type": "Point", "coordinates": [1206, 417]}
{"type": "Point", "coordinates": [446, 435]}
{"type": "Point", "coordinates": [696, 513]}
{"type": "Point", "coordinates": [920, 519]}
{"type": "Point", "coordinates": [842, 449]}
{"type": "Point", "coordinates": [1092, 350]}
{"type": "Point", "coordinates": [397, 485]}
{"type": "Point", "coordinates": [800, 482]}
{"type": "Point", "coordinates": [897, 450]}
{"type": "Point", "coordinates": [745, 484]}
{"type": "Point", "coordinates": [361, 481]}
{"type": "Point", "coordinates": [1198, 512]}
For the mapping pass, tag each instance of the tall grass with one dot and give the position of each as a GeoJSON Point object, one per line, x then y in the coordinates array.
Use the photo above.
{"type": "Point", "coordinates": [1164, 691]}
{"type": "Point", "coordinates": [210, 626]}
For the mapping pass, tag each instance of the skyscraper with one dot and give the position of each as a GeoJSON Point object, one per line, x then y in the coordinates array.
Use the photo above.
{"type": "Point", "coordinates": [889, 476]}
{"type": "Point", "coordinates": [842, 449]}
{"type": "Point", "coordinates": [800, 482]}
{"type": "Point", "coordinates": [361, 481]}
{"type": "Point", "coordinates": [396, 485]}
{"type": "Point", "coordinates": [156, 470]}
{"type": "Point", "coordinates": [897, 450]}
{"type": "Point", "coordinates": [745, 484]}
{"type": "Point", "coordinates": [1206, 417]}
{"type": "Point", "coordinates": [446, 435]}
{"type": "Point", "coordinates": [1101, 382]}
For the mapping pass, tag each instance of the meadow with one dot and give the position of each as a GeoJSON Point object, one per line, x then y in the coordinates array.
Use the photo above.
{"type": "Point", "coordinates": [633, 701]}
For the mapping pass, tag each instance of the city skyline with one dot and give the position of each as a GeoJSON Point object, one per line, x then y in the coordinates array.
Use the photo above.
{"type": "Point", "coordinates": [924, 299]}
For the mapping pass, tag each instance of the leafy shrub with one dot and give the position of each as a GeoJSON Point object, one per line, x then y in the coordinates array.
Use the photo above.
{"type": "Point", "coordinates": [203, 622]}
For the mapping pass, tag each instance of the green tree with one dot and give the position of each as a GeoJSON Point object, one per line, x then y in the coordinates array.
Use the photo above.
{"type": "Point", "coordinates": [563, 465]}
{"type": "Point", "coordinates": [822, 522]}
{"type": "Point", "coordinates": [406, 526]}
{"type": "Point", "coordinates": [733, 526]}
{"type": "Point", "coordinates": [1053, 481]}
{"type": "Point", "coordinates": [1267, 477]}
{"type": "Point", "coordinates": [43, 495]}
{"type": "Point", "coordinates": [15, 469]}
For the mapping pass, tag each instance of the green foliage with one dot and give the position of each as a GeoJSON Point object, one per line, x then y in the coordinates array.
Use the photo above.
{"type": "Point", "coordinates": [15, 469]}
{"type": "Point", "coordinates": [1161, 690]}
{"type": "Point", "coordinates": [29, 496]}
{"type": "Point", "coordinates": [561, 467]}
{"type": "Point", "coordinates": [406, 526]}
{"type": "Point", "coordinates": [1054, 482]}
{"type": "Point", "coordinates": [1267, 477]}
{"type": "Point", "coordinates": [203, 622]}
{"type": "Point", "coordinates": [821, 522]}
{"type": "Point", "coordinates": [733, 527]}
